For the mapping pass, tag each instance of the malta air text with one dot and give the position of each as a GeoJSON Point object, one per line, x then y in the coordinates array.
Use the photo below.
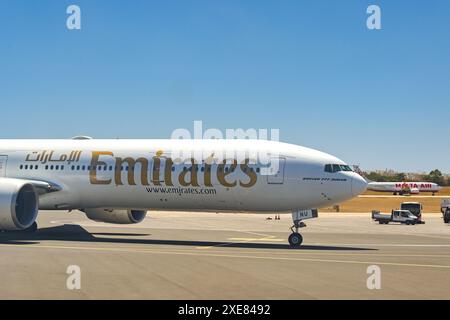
{"type": "Point", "coordinates": [414, 185]}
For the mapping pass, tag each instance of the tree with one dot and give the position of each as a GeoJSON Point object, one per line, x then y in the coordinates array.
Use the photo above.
{"type": "Point", "coordinates": [400, 177]}
{"type": "Point", "coordinates": [435, 176]}
{"type": "Point", "coordinates": [374, 176]}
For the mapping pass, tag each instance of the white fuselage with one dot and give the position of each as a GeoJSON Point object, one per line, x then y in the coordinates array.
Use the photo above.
{"type": "Point", "coordinates": [402, 186]}
{"type": "Point", "coordinates": [145, 174]}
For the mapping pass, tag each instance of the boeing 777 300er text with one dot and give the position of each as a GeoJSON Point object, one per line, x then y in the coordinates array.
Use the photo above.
{"type": "Point", "coordinates": [119, 181]}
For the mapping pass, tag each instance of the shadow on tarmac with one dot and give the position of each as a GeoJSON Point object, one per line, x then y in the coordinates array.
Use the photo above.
{"type": "Point", "coordinates": [76, 233]}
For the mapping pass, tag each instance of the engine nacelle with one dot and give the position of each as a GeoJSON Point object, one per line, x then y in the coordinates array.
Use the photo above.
{"type": "Point", "coordinates": [19, 204]}
{"type": "Point", "coordinates": [116, 216]}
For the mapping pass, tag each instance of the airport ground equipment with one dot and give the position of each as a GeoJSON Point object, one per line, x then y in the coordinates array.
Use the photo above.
{"type": "Point", "coordinates": [444, 205]}
{"type": "Point", "coordinates": [415, 208]}
{"type": "Point", "coordinates": [400, 216]}
{"type": "Point", "coordinates": [446, 215]}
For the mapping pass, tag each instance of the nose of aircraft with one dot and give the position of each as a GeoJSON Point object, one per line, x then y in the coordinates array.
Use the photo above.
{"type": "Point", "coordinates": [359, 185]}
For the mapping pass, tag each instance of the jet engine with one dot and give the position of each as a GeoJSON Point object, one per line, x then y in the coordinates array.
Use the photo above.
{"type": "Point", "coordinates": [116, 216]}
{"type": "Point", "coordinates": [19, 204]}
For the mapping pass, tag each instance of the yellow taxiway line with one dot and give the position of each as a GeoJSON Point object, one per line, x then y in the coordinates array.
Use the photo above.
{"type": "Point", "coordinates": [221, 255]}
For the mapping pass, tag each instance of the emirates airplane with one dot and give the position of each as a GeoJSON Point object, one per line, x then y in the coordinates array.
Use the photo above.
{"type": "Point", "coordinates": [119, 181]}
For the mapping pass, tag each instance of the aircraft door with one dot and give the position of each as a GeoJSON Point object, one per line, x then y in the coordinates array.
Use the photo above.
{"type": "Point", "coordinates": [277, 177]}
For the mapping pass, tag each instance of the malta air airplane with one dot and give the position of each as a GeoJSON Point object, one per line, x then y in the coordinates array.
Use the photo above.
{"type": "Point", "coordinates": [119, 181]}
{"type": "Point", "coordinates": [402, 188]}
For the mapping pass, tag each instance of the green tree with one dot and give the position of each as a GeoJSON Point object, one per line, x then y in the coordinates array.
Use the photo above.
{"type": "Point", "coordinates": [435, 176]}
{"type": "Point", "coordinates": [400, 177]}
{"type": "Point", "coordinates": [374, 176]}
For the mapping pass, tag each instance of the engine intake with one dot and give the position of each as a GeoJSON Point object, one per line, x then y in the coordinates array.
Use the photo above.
{"type": "Point", "coordinates": [116, 216]}
{"type": "Point", "coordinates": [19, 204]}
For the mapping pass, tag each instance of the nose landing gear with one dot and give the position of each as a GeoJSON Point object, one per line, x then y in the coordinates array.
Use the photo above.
{"type": "Point", "coordinates": [296, 239]}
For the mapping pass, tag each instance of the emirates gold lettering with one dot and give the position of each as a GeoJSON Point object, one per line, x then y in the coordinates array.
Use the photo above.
{"type": "Point", "coordinates": [188, 176]}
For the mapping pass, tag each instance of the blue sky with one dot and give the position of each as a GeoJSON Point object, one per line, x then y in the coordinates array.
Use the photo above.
{"type": "Point", "coordinates": [140, 69]}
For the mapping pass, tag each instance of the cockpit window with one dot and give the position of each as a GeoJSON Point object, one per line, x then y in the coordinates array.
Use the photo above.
{"type": "Point", "coordinates": [336, 168]}
{"type": "Point", "coordinates": [332, 168]}
{"type": "Point", "coordinates": [346, 168]}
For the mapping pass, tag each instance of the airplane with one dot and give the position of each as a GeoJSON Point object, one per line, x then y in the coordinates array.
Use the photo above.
{"type": "Point", "coordinates": [120, 181]}
{"type": "Point", "coordinates": [402, 188]}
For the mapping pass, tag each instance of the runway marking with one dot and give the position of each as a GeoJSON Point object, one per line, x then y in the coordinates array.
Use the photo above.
{"type": "Point", "coordinates": [257, 239]}
{"type": "Point", "coordinates": [401, 197]}
{"type": "Point", "coordinates": [208, 254]}
{"type": "Point", "coordinates": [264, 237]}
{"type": "Point", "coordinates": [384, 245]}
{"type": "Point", "coordinates": [443, 237]}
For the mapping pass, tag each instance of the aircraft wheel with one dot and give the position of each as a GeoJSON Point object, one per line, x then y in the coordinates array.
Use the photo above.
{"type": "Point", "coordinates": [295, 240]}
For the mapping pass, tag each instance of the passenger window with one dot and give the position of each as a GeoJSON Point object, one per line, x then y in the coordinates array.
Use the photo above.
{"type": "Point", "coordinates": [21, 167]}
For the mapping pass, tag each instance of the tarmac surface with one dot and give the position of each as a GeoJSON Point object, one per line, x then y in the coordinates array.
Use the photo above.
{"type": "Point", "coordinates": [182, 255]}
